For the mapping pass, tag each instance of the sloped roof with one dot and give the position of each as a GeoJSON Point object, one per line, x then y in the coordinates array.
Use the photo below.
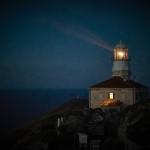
{"type": "Point", "coordinates": [111, 103]}
{"type": "Point", "coordinates": [117, 82]}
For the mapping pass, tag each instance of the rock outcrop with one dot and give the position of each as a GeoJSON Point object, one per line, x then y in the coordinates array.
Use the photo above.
{"type": "Point", "coordinates": [134, 128]}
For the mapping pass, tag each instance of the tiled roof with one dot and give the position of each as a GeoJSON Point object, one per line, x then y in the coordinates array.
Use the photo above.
{"type": "Point", "coordinates": [117, 82]}
{"type": "Point", "coordinates": [110, 103]}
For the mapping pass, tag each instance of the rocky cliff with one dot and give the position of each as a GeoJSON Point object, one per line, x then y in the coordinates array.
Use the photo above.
{"type": "Point", "coordinates": [129, 130]}
{"type": "Point", "coordinates": [134, 127]}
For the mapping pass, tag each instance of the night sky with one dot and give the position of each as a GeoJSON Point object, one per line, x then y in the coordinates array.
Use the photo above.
{"type": "Point", "coordinates": [67, 44]}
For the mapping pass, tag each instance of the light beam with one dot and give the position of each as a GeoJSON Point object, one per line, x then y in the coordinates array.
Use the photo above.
{"type": "Point", "coordinates": [86, 36]}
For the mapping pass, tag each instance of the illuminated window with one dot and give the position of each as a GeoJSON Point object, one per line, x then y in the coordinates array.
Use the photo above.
{"type": "Point", "coordinates": [111, 95]}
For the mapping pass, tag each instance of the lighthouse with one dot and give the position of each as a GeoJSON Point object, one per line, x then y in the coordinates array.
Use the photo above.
{"type": "Point", "coordinates": [121, 61]}
{"type": "Point", "coordinates": [119, 91]}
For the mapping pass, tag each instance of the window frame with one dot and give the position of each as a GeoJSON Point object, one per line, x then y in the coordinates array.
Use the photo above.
{"type": "Point", "coordinates": [111, 95]}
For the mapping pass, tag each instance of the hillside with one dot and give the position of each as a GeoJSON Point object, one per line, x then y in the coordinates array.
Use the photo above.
{"type": "Point", "coordinates": [34, 133]}
{"type": "Point", "coordinates": [73, 104]}
{"type": "Point", "coordinates": [129, 130]}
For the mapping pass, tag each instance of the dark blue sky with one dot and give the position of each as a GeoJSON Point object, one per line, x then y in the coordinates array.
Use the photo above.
{"type": "Point", "coordinates": [60, 44]}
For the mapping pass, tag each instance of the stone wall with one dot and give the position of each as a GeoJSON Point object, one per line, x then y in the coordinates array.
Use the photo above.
{"type": "Point", "coordinates": [98, 95]}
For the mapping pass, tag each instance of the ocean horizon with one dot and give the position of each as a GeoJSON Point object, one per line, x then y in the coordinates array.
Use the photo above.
{"type": "Point", "coordinates": [19, 106]}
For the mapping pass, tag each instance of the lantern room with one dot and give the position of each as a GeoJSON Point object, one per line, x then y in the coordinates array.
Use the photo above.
{"type": "Point", "coordinates": [121, 51]}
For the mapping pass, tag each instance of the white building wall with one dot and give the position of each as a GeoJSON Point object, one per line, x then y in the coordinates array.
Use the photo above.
{"type": "Point", "coordinates": [120, 65]}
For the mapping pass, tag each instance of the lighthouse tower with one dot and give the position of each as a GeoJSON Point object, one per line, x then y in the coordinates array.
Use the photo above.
{"type": "Point", "coordinates": [121, 61]}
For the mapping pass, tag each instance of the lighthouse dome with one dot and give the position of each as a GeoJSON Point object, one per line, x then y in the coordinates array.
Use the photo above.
{"type": "Point", "coordinates": [121, 45]}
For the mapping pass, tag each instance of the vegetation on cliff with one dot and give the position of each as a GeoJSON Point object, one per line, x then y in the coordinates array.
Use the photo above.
{"type": "Point", "coordinates": [134, 126]}
{"type": "Point", "coordinates": [127, 130]}
{"type": "Point", "coordinates": [41, 132]}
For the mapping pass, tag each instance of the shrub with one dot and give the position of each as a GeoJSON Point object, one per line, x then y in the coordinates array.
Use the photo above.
{"type": "Point", "coordinates": [76, 113]}
{"type": "Point", "coordinates": [47, 126]}
{"type": "Point", "coordinates": [53, 118]}
{"type": "Point", "coordinates": [63, 128]}
{"type": "Point", "coordinates": [124, 112]}
{"type": "Point", "coordinates": [139, 132]}
{"type": "Point", "coordinates": [49, 136]}
{"type": "Point", "coordinates": [98, 109]}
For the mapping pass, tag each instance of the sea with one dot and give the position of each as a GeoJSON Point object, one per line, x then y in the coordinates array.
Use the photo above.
{"type": "Point", "coordinates": [18, 106]}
